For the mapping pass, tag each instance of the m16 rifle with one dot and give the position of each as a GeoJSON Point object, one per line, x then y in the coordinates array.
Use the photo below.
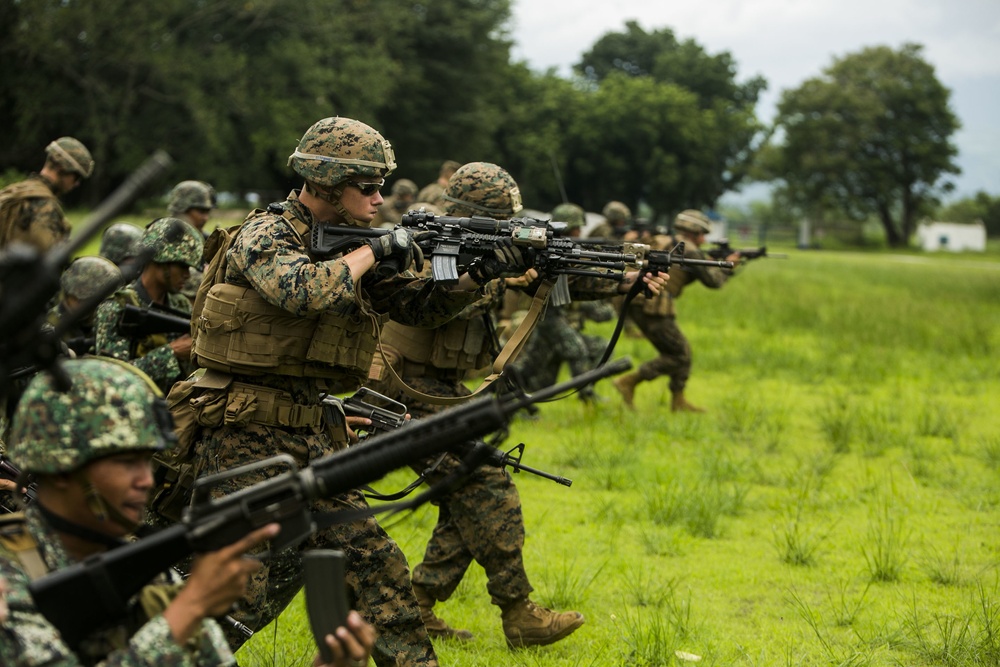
{"type": "Point", "coordinates": [390, 418]}
{"type": "Point", "coordinates": [8, 500]}
{"type": "Point", "coordinates": [104, 582]}
{"type": "Point", "coordinates": [137, 322]}
{"type": "Point", "coordinates": [722, 250]}
{"type": "Point", "coordinates": [453, 243]}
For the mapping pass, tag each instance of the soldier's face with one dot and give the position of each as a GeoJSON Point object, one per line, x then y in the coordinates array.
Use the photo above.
{"type": "Point", "coordinates": [123, 481]}
{"type": "Point", "coordinates": [175, 275]}
{"type": "Point", "coordinates": [362, 207]}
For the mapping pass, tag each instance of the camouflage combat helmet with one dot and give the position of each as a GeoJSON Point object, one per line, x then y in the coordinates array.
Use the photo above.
{"type": "Point", "coordinates": [334, 149]}
{"type": "Point", "coordinates": [571, 214]}
{"type": "Point", "coordinates": [86, 276]}
{"type": "Point", "coordinates": [71, 155]}
{"type": "Point", "coordinates": [191, 194]}
{"type": "Point", "coordinates": [182, 244]}
{"type": "Point", "coordinates": [111, 407]}
{"type": "Point", "coordinates": [693, 222]}
{"type": "Point", "coordinates": [481, 188]}
{"type": "Point", "coordinates": [119, 242]}
{"type": "Point", "coordinates": [404, 186]}
{"type": "Point", "coordinates": [616, 211]}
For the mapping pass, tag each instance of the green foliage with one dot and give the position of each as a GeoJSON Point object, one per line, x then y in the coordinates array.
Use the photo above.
{"type": "Point", "coordinates": [980, 208]}
{"type": "Point", "coordinates": [872, 136]}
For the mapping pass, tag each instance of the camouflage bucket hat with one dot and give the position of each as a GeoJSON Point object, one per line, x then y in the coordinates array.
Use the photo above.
{"type": "Point", "coordinates": [334, 149]}
{"type": "Point", "coordinates": [481, 188]}
{"type": "Point", "coordinates": [86, 276]}
{"type": "Point", "coordinates": [111, 407]}
{"type": "Point", "coordinates": [119, 242]}
{"type": "Point", "coordinates": [174, 241]}
{"type": "Point", "coordinates": [71, 155]}
{"type": "Point", "coordinates": [191, 194]}
{"type": "Point", "coordinates": [571, 214]}
{"type": "Point", "coordinates": [693, 222]}
{"type": "Point", "coordinates": [616, 211]}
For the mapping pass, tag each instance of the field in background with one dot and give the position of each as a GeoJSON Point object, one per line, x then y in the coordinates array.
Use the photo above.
{"type": "Point", "coordinates": [837, 505]}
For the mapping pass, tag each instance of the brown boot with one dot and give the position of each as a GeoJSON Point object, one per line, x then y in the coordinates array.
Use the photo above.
{"type": "Point", "coordinates": [527, 624]}
{"type": "Point", "coordinates": [679, 404]}
{"type": "Point", "coordinates": [625, 384]}
{"type": "Point", "coordinates": [436, 628]}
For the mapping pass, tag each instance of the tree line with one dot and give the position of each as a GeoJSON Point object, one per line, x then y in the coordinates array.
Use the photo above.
{"type": "Point", "coordinates": [228, 86]}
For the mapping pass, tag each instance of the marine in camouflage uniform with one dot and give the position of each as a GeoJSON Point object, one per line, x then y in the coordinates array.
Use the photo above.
{"type": "Point", "coordinates": [555, 340]}
{"type": "Point", "coordinates": [616, 220]}
{"type": "Point", "coordinates": [401, 199]}
{"type": "Point", "coordinates": [284, 327]}
{"type": "Point", "coordinates": [432, 192]}
{"type": "Point", "coordinates": [657, 318]}
{"type": "Point", "coordinates": [84, 278]}
{"type": "Point", "coordinates": [89, 450]}
{"type": "Point", "coordinates": [482, 520]}
{"type": "Point", "coordinates": [165, 357]}
{"type": "Point", "coordinates": [30, 211]}
{"type": "Point", "coordinates": [192, 202]}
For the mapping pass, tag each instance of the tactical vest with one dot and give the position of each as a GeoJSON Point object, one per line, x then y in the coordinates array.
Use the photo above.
{"type": "Point", "coordinates": [458, 345]}
{"type": "Point", "coordinates": [241, 333]}
{"type": "Point", "coordinates": [14, 225]}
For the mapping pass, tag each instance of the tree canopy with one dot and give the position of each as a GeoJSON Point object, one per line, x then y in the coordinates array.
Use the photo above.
{"type": "Point", "coordinates": [871, 136]}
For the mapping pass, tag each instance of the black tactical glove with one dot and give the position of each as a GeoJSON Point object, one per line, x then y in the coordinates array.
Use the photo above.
{"type": "Point", "coordinates": [400, 246]}
{"type": "Point", "coordinates": [508, 261]}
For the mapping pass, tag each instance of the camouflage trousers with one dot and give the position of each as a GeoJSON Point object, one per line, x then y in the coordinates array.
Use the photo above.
{"type": "Point", "coordinates": [675, 351]}
{"type": "Point", "coordinates": [377, 574]}
{"type": "Point", "coordinates": [481, 521]}
{"type": "Point", "coordinates": [553, 342]}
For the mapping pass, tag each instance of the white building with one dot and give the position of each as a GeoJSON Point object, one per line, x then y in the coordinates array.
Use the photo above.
{"type": "Point", "coordinates": [934, 236]}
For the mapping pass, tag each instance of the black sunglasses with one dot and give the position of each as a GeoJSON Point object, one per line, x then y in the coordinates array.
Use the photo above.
{"type": "Point", "coordinates": [367, 188]}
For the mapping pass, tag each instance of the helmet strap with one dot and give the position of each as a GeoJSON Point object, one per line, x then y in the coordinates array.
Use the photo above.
{"type": "Point", "coordinates": [332, 197]}
{"type": "Point", "coordinates": [63, 525]}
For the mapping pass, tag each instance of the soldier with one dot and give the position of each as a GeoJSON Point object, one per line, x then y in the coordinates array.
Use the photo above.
{"type": "Point", "coordinates": [192, 202]}
{"type": "Point", "coordinates": [165, 357]}
{"type": "Point", "coordinates": [555, 340]}
{"type": "Point", "coordinates": [432, 192]}
{"type": "Point", "coordinates": [283, 328]}
{"type": "Point", "coordinates": [482, 520]}
{"type": "Point", "coordinates": [657, 318]}
{"type": "Point", "coordinates": [404, 194]}
{"type": "Point", "coordinates": [616, 221]}
{"type": "Point", "coordinates": [84, 278]}
{"type": "Point", "coordinates": [89, 449]}
{"type": "Point", "coordinates": [118, 242]}
{"type": "Point", "coordinates": [30, 211]}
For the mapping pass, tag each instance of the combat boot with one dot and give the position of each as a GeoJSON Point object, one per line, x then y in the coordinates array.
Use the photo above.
{"type": "Point", "coordinates": [625, 384]}
{"type": "Point", "coordinates": [436, 627]}
{"type": "Point", "coordinates": [679, 404]}
{"type": "Point", "coordinates": [527, 624]}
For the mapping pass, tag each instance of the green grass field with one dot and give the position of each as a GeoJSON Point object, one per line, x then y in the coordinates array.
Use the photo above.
{"type": "Point", "coordinates": [837, 505]}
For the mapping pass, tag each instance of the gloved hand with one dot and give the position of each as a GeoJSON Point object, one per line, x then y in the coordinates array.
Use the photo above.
{"type": "Point", "coordinates": [399, 245]}
{"type": "Point", "coordinates": [508, 261]}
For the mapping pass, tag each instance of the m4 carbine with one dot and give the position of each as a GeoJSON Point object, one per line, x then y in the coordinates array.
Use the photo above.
{"type": "Point", "coordinates": [722, 250]}
{"type": "Point", "coordinates": [101, 585]}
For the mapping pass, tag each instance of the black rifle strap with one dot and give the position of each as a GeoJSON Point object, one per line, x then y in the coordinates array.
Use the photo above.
{"type": "Point", "coordinates": [637, 286]}
{"type": "Point", "coordinates": [372, 494]}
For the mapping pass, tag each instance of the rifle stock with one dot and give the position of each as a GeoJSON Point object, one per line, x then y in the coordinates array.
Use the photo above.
{"type": "Point", "coordinates": [106, 581]}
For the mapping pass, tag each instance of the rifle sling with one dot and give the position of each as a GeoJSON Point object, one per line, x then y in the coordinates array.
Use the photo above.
{"type": "Point", "coordinates": [509, 352]}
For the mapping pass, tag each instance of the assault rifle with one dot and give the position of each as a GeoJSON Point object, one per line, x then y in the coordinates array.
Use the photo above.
{"type": "Point", "coordinates": [12, 473]}
{"type": "Point", "coordinates": [103, 583]}
{"type": "Point", "coordinates": [453, 243]}
{"type": "Point", "coordinates": [384, 419]}
{"type": "Point", "coordinates": [722, 250]}
{"type": "Point", "coordinates": [136, 322]}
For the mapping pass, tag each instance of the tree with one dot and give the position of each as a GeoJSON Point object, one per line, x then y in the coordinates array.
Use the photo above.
{"type": "Point", "coordinates": [723, 108]}
{"type": "Point", "coordinates": [872, 136]}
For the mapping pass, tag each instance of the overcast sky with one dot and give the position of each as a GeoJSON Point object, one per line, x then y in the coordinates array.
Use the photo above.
{"type": "Point", "coordinates": [789, 41]}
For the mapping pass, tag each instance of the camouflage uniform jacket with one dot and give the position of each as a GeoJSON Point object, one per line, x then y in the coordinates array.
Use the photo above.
{"type": "Point", "coordinates": [270, 257]}
{"type": "Point", "coordinates": [28, 639]}
{"type": "Point", "coordinates": [31, 213]}
{"type": "Point", "coordinates": [152, 355]}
